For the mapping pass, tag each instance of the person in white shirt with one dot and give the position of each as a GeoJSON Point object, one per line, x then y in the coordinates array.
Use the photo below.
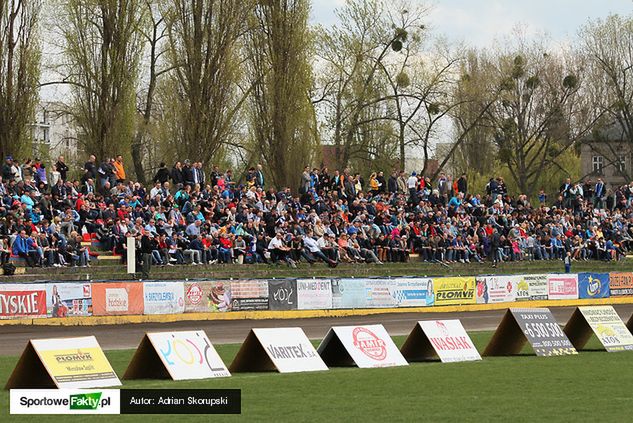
{"type": "Point", "coordinates": [412, 184]}
{"type": "Point", "coordinates": [312, 247]}
{"type": "Point", "coordinates": [279, 250]}
{"type": "Point", "coordinates": [156, 190]}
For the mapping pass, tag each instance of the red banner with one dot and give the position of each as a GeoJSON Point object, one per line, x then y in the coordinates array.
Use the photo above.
{"type": "Point", "coordinates": [22, 300]}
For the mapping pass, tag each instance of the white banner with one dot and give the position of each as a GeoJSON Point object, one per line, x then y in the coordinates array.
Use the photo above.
{"type": "Point", "coordinates": [531, 287]}
{"type": "Point", "coordinates": [450, 340]}
{"type": "Point", "coordinates": [496, 289]}
{"type": "Point", "coordinates": [65, 401]}
{"type": "Point", "coordinates": [379, 293]}
{"type": "Point", "coordinates": [68, 299]}
{"type": "Point", "coordinates": [314, 294]}
{"type": "Point", "coordinates": [188, 355]}
{"type": "Point", "coordinates": [290, 350]}
{"type": "Point", "coordinates": [368, 346]}
{"type": "Point", "coordinates": [608, 327]}
{"type": "Point", "coordinates": [417, 292]}
{"type": "Point", "coordinates": [562, 287]}
{"type": "Point", "coordinates": [163, 297]}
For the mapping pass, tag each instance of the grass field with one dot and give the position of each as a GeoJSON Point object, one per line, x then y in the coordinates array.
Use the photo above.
{"type": "Point", "coordinates": [591, 386]}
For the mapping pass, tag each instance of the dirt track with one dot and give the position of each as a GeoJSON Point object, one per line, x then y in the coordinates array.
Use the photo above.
{"type": "Point", "coordinates": [14, 338]}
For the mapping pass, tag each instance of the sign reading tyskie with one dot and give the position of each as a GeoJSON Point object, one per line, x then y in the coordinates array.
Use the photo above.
{"type": "Point", "coordinates": [180, 355]}
{"type": "Point", "coordinates": [534, 325]}
{"type": "Point", "coordinates": [445, 339]}
{"type": "Point", "coordinates": [286, 350]}
{"type": "Point", "coordinates": [604, 322]}
{"type": "Point", "coordinates": [364, 346]}
{"type": "Point", "coordinates": [22, 300]}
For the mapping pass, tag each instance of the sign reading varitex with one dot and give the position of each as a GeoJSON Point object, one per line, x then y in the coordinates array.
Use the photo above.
{"type": "Point", "coordinates": [534, 325]}
{"type": "Point", "coordinates": [63, 363]}
{"type": "Point", "coordinates": [363, 346]}
{"type": "Point", "coordinates": [176, 355]}
{"type": "Point", "coordinates": [604, 322]}
{"type": "Point", "coordinates": [286, 350]}
{"type": "Point", "coordinates": [125, 401]}
{"type": "Point", "coordinates": [445, 339]}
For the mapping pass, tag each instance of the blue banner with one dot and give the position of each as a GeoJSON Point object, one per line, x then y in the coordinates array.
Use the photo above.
{"type": "Point", "coordinates": [593, 285]}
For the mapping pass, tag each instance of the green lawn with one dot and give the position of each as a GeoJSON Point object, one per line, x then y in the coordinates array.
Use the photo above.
{"type": "Point", "coordinates": [591, 386]}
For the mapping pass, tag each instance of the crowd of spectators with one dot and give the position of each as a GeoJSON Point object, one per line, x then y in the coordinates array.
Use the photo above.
{"type": "Point", "coordinates": [188, 216]}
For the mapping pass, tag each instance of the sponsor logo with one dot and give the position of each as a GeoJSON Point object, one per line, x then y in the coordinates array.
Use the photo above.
{"type": "Point", "coordinates": [73, 357]}
{"type": "Point", "coordinates": [289, 351]}
{"type": "Point", "coordinates": [370, 344]}
{"type": "Point", "coordinates": [116, 299]}
{"type": "Point", "coordinates": [455, 294]}
{"type": "Point", "coordinates": [87, 401]}
{"type": "Point", "coordinates": [20, 303]}
{"type": "Point", "coordinates": [593, 286]}
{"type": "Point", "coordinates": [87, 290]}
{"type": "Point", "coordinates": [449, 343]}
{"type": "Point", "coordinates": [195, 294]}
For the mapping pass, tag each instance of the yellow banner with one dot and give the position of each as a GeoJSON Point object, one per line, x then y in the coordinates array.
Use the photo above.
{"type": "Point", "coordinates": [454, 291]}
{"type": "Point", "coordinates": [75, 365]}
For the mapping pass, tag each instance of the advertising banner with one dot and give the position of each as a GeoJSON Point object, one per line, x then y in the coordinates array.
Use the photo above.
{"type": "Point", "coordinates": [621, 284]}
{"type": "Point", "coordinates": [184, 355]}
{"type": "Point", "coordinates": [207, 296]}
{"type": "Point", "coordinates": [604, 322]}
{"type": "Point", "coordinates": [496, 289]}
{"type": "Point", "coordinates": [249, 295]}
{"type": "Point", "coordinates": [22, 300]}
{"type": "Point", "coordinates": [364, 346]}
{"type": "Point", "coordinates": [447, 338]}
{"type": "Point", "coordinates": [314, 294]}
{"type": "Point", "coordinates": [531, 287]}
{"type": "Point", "coordinates": [451, 291]}
{"type": "Point", "coordinates": [287, 350]}
{"type": "Point", "coordinates": [562, 287]}
{"type": "Point", "coordinates": [349, 293]}
{"type": "Point", "coordinates": [412, 292]}
{"type": "Point", "coordinates": [69, 362]}
{"type": "Point", "coordinates": [68, 299]}
{"type": "Point", "coordinates": [282, 294]}
{"type": "Point", "coordinates": [163, 297]}
{"type": "Point", "coordinates": [379, 293]}
{"type": "Point", "coordinates": [542, 331]}
{"type": "Point", "coordinates": [117, 298]}
{"type": "Point", "coordinates": [593, 285]}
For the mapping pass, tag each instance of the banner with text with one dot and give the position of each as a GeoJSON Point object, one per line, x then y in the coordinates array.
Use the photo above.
{"type": "Point", "coordinates": [621, 284]}
{"type": "Point", "coordinates": [349, 293]}
{"type": "Point", "coordinates": [593, 285]}
{"type": "Point", "coordinates": [163, 297]}
{"type": "Point", "coordinates": [531, 287]}
{"type": "Point", "coordinates": [22, 300]}
{"type": "Point", "coordinates": [249, 295]}
{"type": "Point", "coordinates": [451, 291]}
{"type": "Point", "coordinates": [70, 299]}
{"type": "Point", "coordinates": [207, 296]}
{"type": "Point", "coordinates": [282, 294]}
{"type": "Point", "coordinates": [314, 294]}
{"type": "Point", "coordinates": [496, 289]}
{"type": "Point", "coordinates": [562, 287]}
{"type": "Point", "coordinates": [117, 298]}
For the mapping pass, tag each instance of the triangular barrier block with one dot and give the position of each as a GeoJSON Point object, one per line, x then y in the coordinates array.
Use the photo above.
{"type": "Point", "coordinates": [363, 346]}
{"type": "Point", "coordinates": [62, 363]}
{"type": "Point", "coordinates": [445, 340]}
{"type": "Point", "coordinates": [286, 350]}
{"type": "Point", "coordinates": [604, 322]}
{"type": "Point", "coordinates": [534, 325]}
{"type": "Point", "coordinates": [181, 355]}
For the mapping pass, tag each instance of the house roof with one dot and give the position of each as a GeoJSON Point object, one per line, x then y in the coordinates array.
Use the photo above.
{"type": "Point", "coordinates": [606, 133]}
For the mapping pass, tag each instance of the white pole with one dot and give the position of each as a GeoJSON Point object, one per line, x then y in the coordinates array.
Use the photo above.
{"type": "Point", "coordinates": [131, 254]}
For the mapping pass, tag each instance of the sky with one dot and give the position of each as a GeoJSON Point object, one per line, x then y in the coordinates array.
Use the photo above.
{"type": "Point", "coordinates": [480, 22]}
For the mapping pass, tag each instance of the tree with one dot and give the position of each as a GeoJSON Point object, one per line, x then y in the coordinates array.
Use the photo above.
{"type": "Point", "coordinates": [204, 90]}
{"type": "Point", "coordinates": [607, 54]}
{"type": "Point", "coordinates": [281, 114]}
{"type": "Point", "coordinates": [103, 48]}
{"type": "Point", "coordinates": [19, 72]}
{"type": "Point", "coordinates": [539, 114]}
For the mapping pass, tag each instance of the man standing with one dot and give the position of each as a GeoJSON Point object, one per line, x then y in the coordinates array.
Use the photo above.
{"type": "Point", "coordinates": [146, 253]}
{"type": "Point", "coordinates": [119, 170]}
{"type": "Point", "coordinates": [462, 184]}
{"type": "Point", "coordinates": [259, 177]}
{"type": "Point", "coordinates": [412, 184]}
{"type": "Point", "coordinates": [598, 195]}
{"type": "Point", "coordinates": [62, 168]}
{"type": "Point", "coordinates": [90, 169]}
